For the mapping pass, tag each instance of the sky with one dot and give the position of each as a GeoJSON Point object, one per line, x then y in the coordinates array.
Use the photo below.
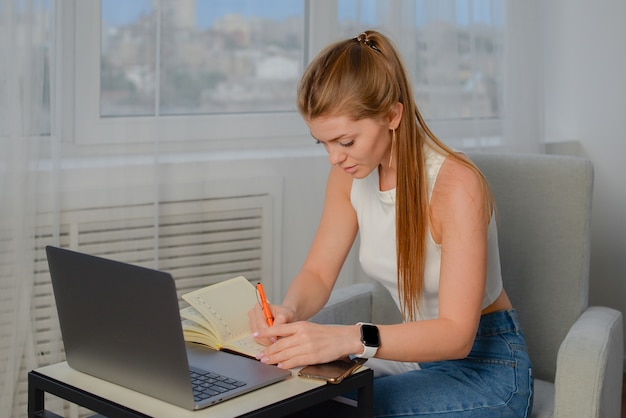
{"type": "Point", "coordinates": [120, 12]}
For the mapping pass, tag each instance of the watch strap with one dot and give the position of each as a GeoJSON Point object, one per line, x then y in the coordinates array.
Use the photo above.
{"type": "Point", "coordinates": [369, 351]}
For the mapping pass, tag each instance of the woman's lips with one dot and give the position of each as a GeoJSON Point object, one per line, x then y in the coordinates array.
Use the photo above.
{"type": "Point", "coordinates": [350, 170]}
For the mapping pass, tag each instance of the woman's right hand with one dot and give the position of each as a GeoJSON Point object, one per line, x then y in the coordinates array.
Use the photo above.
{"type": "Point", "coordinates": [256, 319]}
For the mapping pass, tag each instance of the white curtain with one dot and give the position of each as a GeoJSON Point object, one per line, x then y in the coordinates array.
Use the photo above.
{"type": "Point", "coordinates": [477, 65]}
{"type": "Point", "coordinates": [26, 36]}
{"type": "Point", "coordinates": [40, 177]}
{"type": "Point", "coordinates": [46, 173]}
{"type": "Point", "coordinates": [523, 125]}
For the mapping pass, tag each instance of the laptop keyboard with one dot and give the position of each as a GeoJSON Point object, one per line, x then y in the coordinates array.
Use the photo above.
{"type": "Point", "coordinates": [207, 384]}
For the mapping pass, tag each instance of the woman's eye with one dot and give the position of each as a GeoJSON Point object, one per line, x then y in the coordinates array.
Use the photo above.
{"type": "Point", "coordinates": [342, 144]}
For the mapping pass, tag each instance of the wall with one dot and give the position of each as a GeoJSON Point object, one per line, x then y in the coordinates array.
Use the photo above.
{"type": "Point", "coordinates": [294, 177]}
{"type": "Point", "coordinates": [304, 188]}
{"type": "Point", "coordinates": [585, 98]}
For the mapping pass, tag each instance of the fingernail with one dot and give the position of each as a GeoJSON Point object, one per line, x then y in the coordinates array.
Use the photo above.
{"type": "Point", "coordinates": [255, 334]}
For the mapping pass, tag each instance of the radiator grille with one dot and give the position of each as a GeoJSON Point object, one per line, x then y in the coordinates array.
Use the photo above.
{"type": "Point", "coordinates": [199, 242]}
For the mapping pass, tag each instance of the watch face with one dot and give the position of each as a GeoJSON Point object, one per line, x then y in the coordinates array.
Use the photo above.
{"type": "Point", "coordinates": [369, 335]}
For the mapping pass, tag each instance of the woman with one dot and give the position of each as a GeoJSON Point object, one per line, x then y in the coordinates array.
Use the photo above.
{"type": "Point", "coordinates": [426, 221]}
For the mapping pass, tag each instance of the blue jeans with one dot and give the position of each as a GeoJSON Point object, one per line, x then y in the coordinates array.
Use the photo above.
{"type": "Point", "coordinates": [495, 380]}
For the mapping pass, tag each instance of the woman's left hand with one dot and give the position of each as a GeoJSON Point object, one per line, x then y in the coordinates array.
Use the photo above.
{"type": "Point", "coordinates": [304, 343]}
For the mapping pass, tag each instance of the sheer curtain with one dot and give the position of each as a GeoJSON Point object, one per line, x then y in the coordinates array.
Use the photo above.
{"type": "Point", "coordinates": [130, 200]}
{"type": "Point", "coordinates": [26, 38]}
{"type": "Point", "coordinates": [523, 125]}
{"type": "Point", "coordinates": [42, 174]}
{"type": "Point", "coordinates": [476, 65]}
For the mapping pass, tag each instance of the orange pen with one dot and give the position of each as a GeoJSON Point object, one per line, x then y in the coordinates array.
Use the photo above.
{"type": "Point", "coordinates": [265, 305]}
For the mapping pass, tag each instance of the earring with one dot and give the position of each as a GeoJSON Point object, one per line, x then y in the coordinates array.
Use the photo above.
{"type": "Point", "coordinates": [393, 141]}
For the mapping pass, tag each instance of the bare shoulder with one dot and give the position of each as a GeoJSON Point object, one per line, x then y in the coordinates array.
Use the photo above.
{"type": "Point", "coordinates": [458, 177]}
{"type": "Point", "coordinates": [458, 191]}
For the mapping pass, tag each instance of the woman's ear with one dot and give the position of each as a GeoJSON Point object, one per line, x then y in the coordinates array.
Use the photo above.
{"type": "Point", "coordinates": [395, 116]}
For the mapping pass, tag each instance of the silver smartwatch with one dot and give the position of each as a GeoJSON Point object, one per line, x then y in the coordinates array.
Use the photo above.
{"type": "Point", "coordinates": [370, 339]}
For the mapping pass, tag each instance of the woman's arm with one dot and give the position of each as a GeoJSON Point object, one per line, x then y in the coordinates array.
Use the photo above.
{"type": "Point", "coordinates": [311, 287]}
{"type": "Point", "coordinates": [459, 223]}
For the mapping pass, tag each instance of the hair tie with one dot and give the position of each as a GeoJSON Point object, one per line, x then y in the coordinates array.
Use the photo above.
{"type": "Point", "coordinates": [362, 38]}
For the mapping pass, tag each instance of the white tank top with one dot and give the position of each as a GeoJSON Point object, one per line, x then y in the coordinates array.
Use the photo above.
{"type": "Point", "coordinates": [376, 215]}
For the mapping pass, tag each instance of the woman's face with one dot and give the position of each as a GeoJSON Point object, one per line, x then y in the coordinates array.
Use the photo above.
{"type": "Point", "coordinates": [358, 147]}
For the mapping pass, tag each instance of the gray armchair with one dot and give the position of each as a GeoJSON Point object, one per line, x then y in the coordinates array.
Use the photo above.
{"type": "Point", "coordinates": [544, 214]}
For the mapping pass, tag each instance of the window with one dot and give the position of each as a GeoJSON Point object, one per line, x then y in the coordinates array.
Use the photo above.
{"type": "Point", "coordinates": [199, 57]}
{"type": "Point", "coordinates": [188, 70]}
{"type": "Point", "coordinates": [179, 70]}
{"type": "Point", "coordinates": [454, 52]}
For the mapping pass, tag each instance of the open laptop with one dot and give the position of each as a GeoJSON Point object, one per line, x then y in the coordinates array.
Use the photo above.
{"type": "Point", "coordinates": [121, 323]}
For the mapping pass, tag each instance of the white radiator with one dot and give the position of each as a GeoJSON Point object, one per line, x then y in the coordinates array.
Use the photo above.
{"type": "Point", "coordinates": [199, 242]}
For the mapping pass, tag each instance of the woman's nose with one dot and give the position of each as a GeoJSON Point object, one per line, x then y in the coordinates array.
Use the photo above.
{"type": "Point", "coordinates": [335, 155]}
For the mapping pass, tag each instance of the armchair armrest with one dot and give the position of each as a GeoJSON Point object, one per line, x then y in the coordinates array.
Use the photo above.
{"type": "Point", "coordinates": [361, 302]}
{"type": "Point", "coordinates": [589, 369]}
{"type": "Point", "coordinates": [347, 305]}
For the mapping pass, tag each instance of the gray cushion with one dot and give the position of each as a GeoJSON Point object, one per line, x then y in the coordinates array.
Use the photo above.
{"type": "Point", "coordinates": [544, 215]}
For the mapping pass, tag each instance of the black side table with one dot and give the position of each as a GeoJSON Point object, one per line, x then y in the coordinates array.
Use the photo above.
{"type": "Point", "coordinates": [315, 402]}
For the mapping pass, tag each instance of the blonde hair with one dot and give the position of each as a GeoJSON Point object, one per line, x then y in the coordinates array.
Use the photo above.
{"type": "Point", "coordinates": [361, 78]}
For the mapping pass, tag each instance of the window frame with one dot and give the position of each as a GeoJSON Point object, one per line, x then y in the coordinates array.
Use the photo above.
{"type": "Point", "coordinates": [84, 126]}
{"type": "Point", "coordinates": [90, 128]}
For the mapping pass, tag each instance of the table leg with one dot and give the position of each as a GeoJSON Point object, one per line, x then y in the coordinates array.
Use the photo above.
{"type": "Point", "coordinates": [39, 384]}
{"type": "Point", "coordinates": [35, 398]}
{"type": "Point", "coordinates": [365, 401]}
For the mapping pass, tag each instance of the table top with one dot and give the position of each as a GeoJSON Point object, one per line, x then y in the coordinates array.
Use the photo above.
{"type": "Point", "coordinates": [148, 405]}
